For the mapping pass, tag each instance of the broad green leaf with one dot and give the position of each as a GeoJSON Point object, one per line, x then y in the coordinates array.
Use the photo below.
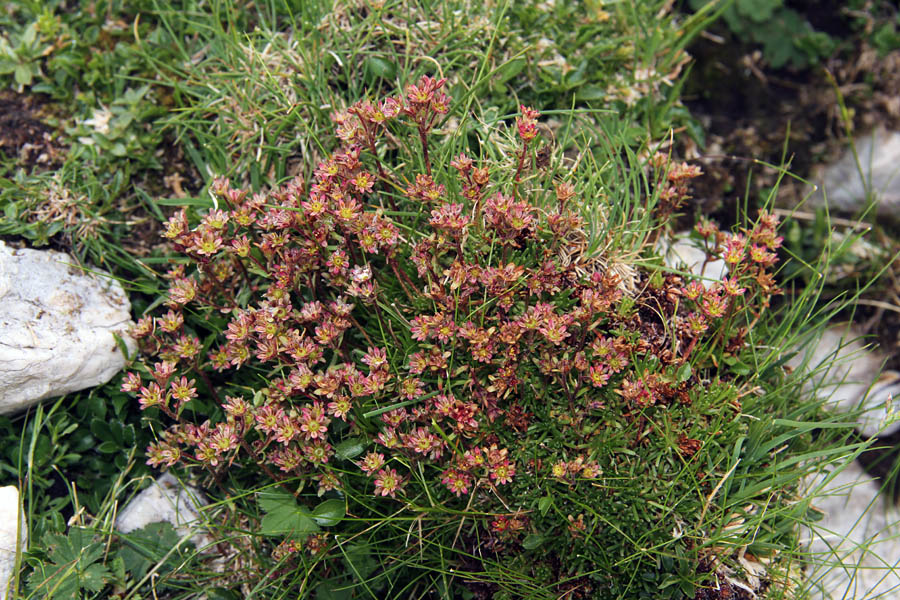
{"type": "Point", "coordinates": [509, 70]}
{"type": "Point", "coordinates": [329, 512]}
{"type": "Point", "coordinates": [684, 372]}
{"type": "Point", "coordinates": [287, 521]}
{"type": "Point", "coordinates": [23, 75]}
{"type": "Point", "coordinates": [351, 448]}
{"type": "Point", "coordinates": [533, 541]}
{"type": "Point", "coordinates": [378, 67]}
{"type": "Point", "coordinates": [284, 515]}
{"type": "Point", "coordinates": [544, 504]}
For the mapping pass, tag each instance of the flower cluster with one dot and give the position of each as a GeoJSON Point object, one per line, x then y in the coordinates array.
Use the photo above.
{"type": "Point", "coordinates": [429, 335]}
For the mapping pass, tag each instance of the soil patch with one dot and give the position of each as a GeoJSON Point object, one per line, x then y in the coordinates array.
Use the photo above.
{"type": "Point", "coordinates": [24, 137]}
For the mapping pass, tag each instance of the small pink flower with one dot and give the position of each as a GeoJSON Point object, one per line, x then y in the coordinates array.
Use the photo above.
{"type": "Point", "coordinates": [235, 407]}
{"type": "Point", "coordinates": [503, 472]}
{"type": "Point", "coordinates": [131, 383]}
{"type": "Point", "coordinates": [458, 483]}
{"type": "Point", "coordinates": [224, 439]}
{"type": "Point", "coordinates": [376, 358]}
{"type": "Point", "coordinates": [388, 483]}
{"type": "Point", "coordinates": [183, 390]}
{"type": "Point", "coordinates": [151, 395]}
{"type": "Point", "coordinates": [527, 123]}
{"type": "Point", "coordinates": [371, 462]}
{"type": "Point", "coordinates": [599, 375]}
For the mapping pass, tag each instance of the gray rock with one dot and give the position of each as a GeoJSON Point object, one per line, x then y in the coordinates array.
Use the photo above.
{"type": "Point", "coordinates": [13, 535]}
{"type": "Point", "coordinates": [56, 327]}
{"type": "Point", "coordinates": [686, 254]}
{"type": "Point", "coordinates": [845, 184]}
{"type": "Point", "coordinates": [167, 500]}
{"type": "Point", "coordinates": [849, 377]}
{"type": "Point", "coordinates": [854, 551]}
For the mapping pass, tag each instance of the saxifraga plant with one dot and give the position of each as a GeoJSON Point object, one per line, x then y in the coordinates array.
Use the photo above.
{"type": "Point", "coordinates": [430, 348]}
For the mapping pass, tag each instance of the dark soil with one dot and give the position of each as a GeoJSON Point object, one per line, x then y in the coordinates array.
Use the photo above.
{"type": "Point", "coordinates": [24, 137]}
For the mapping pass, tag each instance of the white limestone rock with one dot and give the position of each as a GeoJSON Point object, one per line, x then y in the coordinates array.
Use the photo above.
{"type": "Point", "coordinates": [13, 535]}
{"type": "Point", "coordinates": [56, 327]}
{"type": "Point", "coordinates": [854, 380]}
{"type": "Point", "coordinates": [167, 500]}
{"type": "Point", "coordinates": [686, 254]}
{"type": "Point", "coordinates": [854, 550]}
{"type": "Point", "coordinates": [844, 183]}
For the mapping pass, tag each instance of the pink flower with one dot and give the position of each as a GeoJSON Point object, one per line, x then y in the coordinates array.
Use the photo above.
{"type": "Point", "coordinates": [527, 123]}
{"type": "Point", "coordinates": [599, 375]}
{"type": "Point", "coordinates": [503, 472]}
{"type": "Point", "coordinates": [151, 396]}
{"type": "Point", "coordinates": [183, 390]}
{"type": "Point", "coordinates": [286, 429]}
{"type": "Point", "coordinates": [371, 462]}
{"type": "Point", "coordinates": [458, 483]}
{"type": "Point", "coordinates": [732, 287]}
{"type": "Point", "coordinates": [313, 422]}
{"type": "Point", "coordinates": [163, 371]}
{"type": "Point", "coordinates": [267, 417]}
{"type": "Point", "coordinates": [224, 439]}
{"type": "Point", "coordinates": [376, 358]}
{"type": "Point", "coordinates": [388, 483]}
{"type": "Point", "coordinates": [235, 407]}
{"type": "Point", "coordinates": [131, 383]}
{"type": "Point", "coordinates": [318, 451]}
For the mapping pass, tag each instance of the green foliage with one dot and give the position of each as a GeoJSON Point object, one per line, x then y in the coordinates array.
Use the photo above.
{"type": "Point", "coordinates": [149, 547]}
{"type": "Point", "coordinates": [20, 54]}
{"type": "Point", "coordinates": [504, 420]}
{"type": "Point", "coordinates": [84, 562]}
{"type": "Point", "coordinates": [284, 515]}
{"type": "Point", "coordinates": [72, 566]}
{"type": "Point", "coordinates": [786, 37]}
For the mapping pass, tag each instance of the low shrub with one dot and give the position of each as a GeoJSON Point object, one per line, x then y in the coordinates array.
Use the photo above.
{"type": "Point", "coordinates": [433, 367]}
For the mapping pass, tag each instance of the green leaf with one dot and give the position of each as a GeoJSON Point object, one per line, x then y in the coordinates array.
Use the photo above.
{"type": "Point", "coordinates": [108, 448]}
{"type": "Point", "coordinates": [378, 67]}
{"type": "Point", "coordinates": [94, 578]}
{"type": "Point", "coordinates": [758, 10]}
{"type": "Point", "coordinates": [351, 448]}
{"type": "Point", "coordinates": [284, 515]}
{"type": "Point", "coordinates": [590, 92]}
{"type": "Point", "coordinates": [23, 75]}
{"type": "Point", "coordinates": [544, 504]}
{"type": "Point", "coordinates": [101, 430]}
{"type": "Point", "coordinates": [684, 372]}
{"type": "Point", "coordinates": [73, 569]}
{"type": "Point", "coordinates": [533, 541]}
{"type": "Point", "coordinates": [146, 546]}
{"type": "Point", "coordinates": [508, 71]}
{"type": "Point", "coordinates": [329, 512]}
{"type": "Point", "coordinates": [737, 367]}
